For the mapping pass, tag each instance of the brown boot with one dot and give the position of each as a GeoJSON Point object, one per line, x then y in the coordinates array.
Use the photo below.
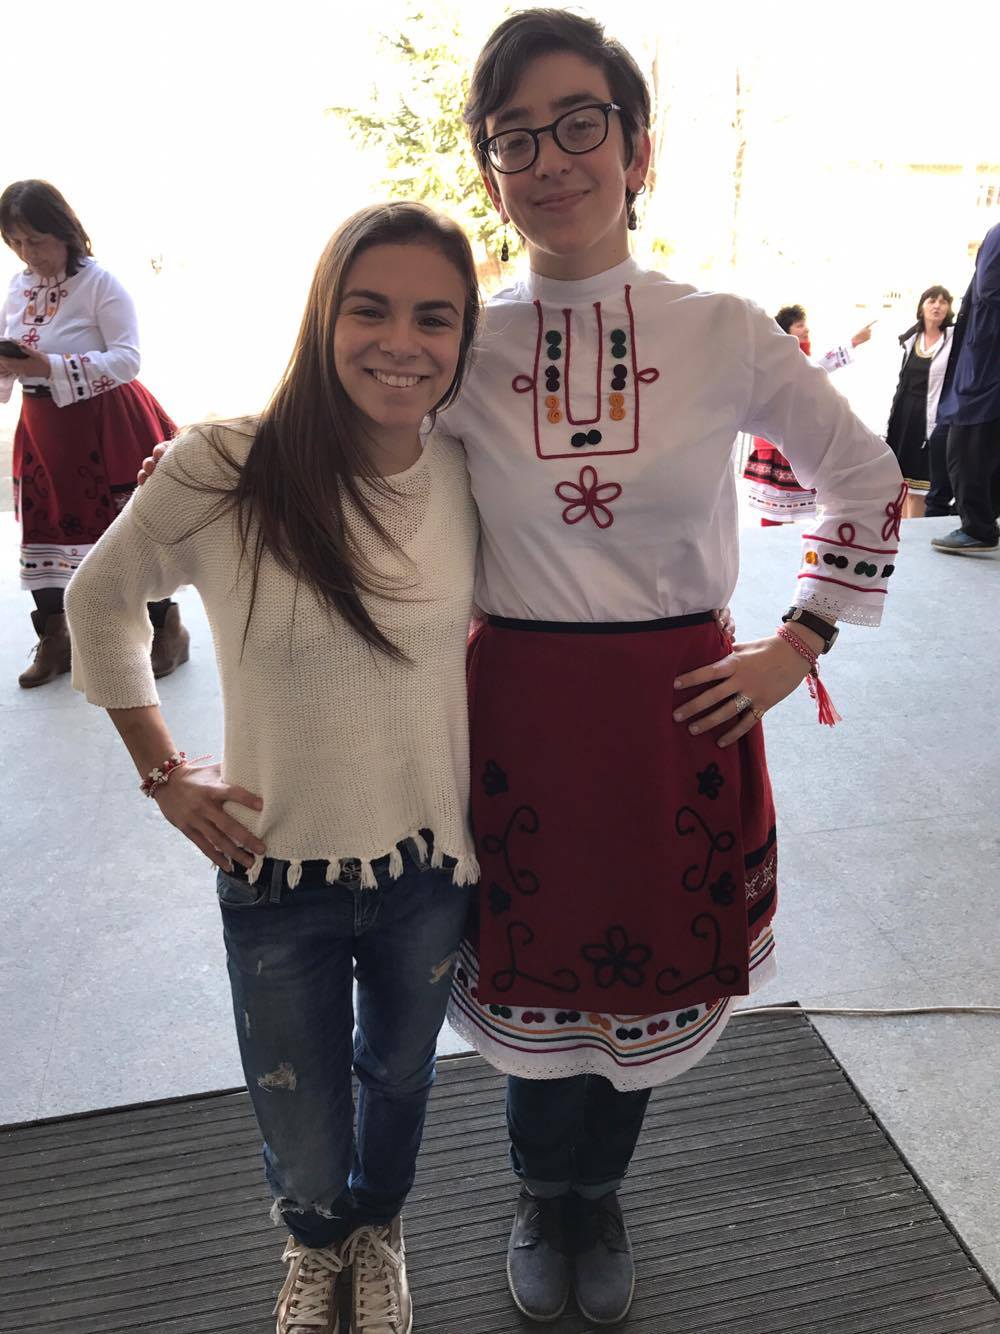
{"type": "Point", "coordinates": [171, 643]}
{"type": "Point", "coordinates": [51, 651]}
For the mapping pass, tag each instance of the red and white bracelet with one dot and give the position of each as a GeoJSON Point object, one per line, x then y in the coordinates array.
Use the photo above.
{"type": "Point", "coordinates": [157, 778]}
{"type": "Point", "coordinates": [827, 710]}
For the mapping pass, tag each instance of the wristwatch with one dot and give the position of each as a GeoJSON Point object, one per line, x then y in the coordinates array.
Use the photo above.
{"type": "Point", "coordinates": [827, 632]}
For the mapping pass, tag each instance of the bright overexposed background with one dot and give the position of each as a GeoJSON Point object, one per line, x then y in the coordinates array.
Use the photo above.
{"type": "Point", "coordinates": [193, 141]}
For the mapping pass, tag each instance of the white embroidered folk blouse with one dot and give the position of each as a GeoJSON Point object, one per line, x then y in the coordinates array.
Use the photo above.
{"type": "Point", "coordinates": [86, 326]}
{"type": "Point", "coordinates": [350, 751]}
{"type": "Point", "coordinates": [599, 422]}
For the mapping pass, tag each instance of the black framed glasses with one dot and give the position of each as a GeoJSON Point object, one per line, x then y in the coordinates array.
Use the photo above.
{"type": "Point", "coordinates": [578, 131]}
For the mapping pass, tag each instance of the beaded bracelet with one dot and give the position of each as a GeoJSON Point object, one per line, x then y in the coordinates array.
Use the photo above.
{"type": "Point", "coordinates": [157, 778]}
{"type": "Point", "coordinates": [827, 710]}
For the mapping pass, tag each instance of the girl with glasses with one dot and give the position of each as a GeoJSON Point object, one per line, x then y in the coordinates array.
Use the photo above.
{"type": "Point", "coordinates": [620, 795]}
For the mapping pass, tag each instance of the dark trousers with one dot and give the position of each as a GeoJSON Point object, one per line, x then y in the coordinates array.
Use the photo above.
{"type": "Point", "coordinates": [940, 497]}
{"type": "Point", "coordinates": [577, 1133]}
{"type": "Point", "coordinates": [974, 469]}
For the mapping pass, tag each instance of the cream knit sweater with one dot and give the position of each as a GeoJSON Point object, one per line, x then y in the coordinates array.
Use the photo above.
{"type": "Point", "coordinates": [350, 751]}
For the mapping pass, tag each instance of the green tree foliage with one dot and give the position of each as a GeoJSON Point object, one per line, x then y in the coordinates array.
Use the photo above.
{"type": "Point", "coordinates": [420, 131]}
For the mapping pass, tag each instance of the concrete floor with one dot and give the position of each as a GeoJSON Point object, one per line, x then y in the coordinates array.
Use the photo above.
{"type": "Point", "coordinates": [111, 967]}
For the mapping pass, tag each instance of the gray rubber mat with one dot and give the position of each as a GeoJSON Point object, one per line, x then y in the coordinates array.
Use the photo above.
{"type": "Point", "coordinates": [764, 1199]}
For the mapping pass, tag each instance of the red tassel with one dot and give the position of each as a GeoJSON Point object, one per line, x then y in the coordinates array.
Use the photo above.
{"type": "Point", "coordinates": [827, 709]}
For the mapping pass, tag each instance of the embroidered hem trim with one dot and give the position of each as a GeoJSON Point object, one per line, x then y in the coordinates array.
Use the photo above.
{"type": "Point", "coordinates": [631, 1051]}
{"type": "Point", "coordinates": [50, 565]}
{"type": "Point", "coordinates": [830, 608]}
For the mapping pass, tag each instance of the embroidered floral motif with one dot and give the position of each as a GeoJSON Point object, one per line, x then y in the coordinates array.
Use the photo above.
{"type": "Point", "coordinates": [494, 779]}
{"type": "Point", "coordinates": [32, 338]}
{"type": "Point", "coordinates": [711, 782]}
{"type": "Point", "coordinates": [102, 384]}
{"type": "Point", "coordinates": [500, 900]}
{"type": "Point", "coordinates": [723, 890]}
{"type": "Point", "coordinates": [617, 960]}
{"type": "Point", "coordinates": [589, 498]}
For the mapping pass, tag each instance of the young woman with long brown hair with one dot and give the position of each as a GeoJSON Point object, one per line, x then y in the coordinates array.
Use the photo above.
{"type": "Point", "coordinates": [333, 547]}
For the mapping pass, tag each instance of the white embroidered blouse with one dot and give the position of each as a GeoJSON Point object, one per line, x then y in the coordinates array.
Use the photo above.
{"type": "Point", "coordinates": [599, 421]}
{"type": "Point", "coordinates": [86, 326]}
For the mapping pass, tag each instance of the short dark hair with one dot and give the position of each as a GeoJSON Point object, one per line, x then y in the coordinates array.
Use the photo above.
{"type": "Point", "coordinates": [789, 315]}
{"type": "Point", "coordinates": [524, 36]}
{"type": "Point", "coordinates": [40, 206]}
{"type": "Point", "coordinates": [936, 290]}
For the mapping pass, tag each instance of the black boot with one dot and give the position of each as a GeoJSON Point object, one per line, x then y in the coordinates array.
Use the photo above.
{"type": "Point", "coordinates": [539, 1265]}
{"type": "Point", "coordinates": [51, 652]}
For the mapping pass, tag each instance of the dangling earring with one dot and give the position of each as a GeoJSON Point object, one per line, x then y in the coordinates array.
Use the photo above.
{"type": "Point", "coordinates": [633, 219]}
{"type": "Point", "coordinates": [505, 248]}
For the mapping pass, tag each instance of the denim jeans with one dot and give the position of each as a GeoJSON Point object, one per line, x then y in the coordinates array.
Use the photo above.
{"type": "Point", "coordinates": [577, 1133]}
{"type": "Point", "coordinates": [290, 955]}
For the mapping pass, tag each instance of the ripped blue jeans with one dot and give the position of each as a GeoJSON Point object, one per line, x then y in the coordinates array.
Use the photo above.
{"type": "Point", "coordinates": [293, 954]}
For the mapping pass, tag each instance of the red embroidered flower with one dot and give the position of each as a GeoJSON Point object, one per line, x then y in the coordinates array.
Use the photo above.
{"type": "Point", "coordinates": [31, 338]}
{"type": "Point", "coordinates": [100, 385]}
{"type": "Point", "coordinates": [588, 497]}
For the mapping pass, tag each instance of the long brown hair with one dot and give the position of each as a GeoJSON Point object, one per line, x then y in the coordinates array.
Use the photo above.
{"type": "Point", "coordinates": [40, 206]}
{"type": "Point", "coordinates": [307, 460]}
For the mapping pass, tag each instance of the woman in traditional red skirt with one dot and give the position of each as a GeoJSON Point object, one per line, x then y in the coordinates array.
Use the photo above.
{"type": "Point", "coordinates": [620, 796]}
{"type": "Point", "coordinates": [71, 339]}
{"type": "Point", "coordinates": [774, 491]}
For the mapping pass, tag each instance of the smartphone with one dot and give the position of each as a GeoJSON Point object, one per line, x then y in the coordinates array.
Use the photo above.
{"type": "Point", "coordinates": [8, 348]}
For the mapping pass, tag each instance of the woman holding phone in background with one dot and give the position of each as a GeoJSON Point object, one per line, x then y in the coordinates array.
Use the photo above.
{"type": "Point", "coordinates": [71, 337]}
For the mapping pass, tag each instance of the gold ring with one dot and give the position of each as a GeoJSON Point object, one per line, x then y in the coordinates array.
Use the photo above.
{"type": "Point", "coordinates": [742, 703]}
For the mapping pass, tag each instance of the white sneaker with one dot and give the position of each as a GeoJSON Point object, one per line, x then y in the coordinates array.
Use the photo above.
{"type": "Point", "coordinates": [381, 1294]}
{"type": "Point", "coordinates": [307, 1303]}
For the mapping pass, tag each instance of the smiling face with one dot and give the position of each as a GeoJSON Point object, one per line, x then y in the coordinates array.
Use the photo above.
{"type": "Point", "coordinates": [397, 337]}
{"type": "Point", "coordinates": [43, 254]}
{"type": "Point", "coordinates": [570, 207]}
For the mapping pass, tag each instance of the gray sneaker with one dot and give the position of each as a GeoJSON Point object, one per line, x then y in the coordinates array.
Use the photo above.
{"type": "Point", "coordinates": [961, 543]}
{"type": "Point", "coordinates": [307, 1303]}
{"type": "Point", "coordinates": [603, 1272]}
{"type": "Point", "coordinates": [539, 1265]}
{"type": "Point", "coordinates": [380, 1297]}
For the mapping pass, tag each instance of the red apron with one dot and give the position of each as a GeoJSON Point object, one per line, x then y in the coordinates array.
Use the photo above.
{"type": "Point", "coordinates": [74, 467]}
{"type": "Point", "coordinates": [625, 863]}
